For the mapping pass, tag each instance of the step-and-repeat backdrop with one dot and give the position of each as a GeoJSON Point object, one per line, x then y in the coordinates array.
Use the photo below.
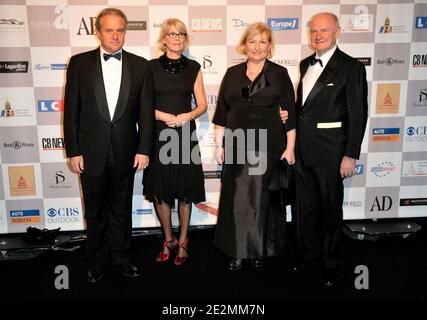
{"type": "Point", "coordinates": [37, 37]}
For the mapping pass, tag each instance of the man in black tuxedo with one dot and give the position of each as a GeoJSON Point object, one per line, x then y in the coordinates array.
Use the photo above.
{"type": "Point", "coordinates": [108, 122]}
{"type": "Point", "coordinates": [331, 120]}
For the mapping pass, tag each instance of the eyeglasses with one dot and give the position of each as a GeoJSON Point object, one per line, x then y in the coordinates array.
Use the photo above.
{"type": "Point", "coordinates": [180, 35]}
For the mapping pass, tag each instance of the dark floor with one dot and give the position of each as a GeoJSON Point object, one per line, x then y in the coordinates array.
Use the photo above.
{"type": "Point", "coordinates": [397, 270]}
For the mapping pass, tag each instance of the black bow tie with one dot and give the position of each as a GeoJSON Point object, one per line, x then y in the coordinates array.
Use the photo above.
{"type": "Point", "coordinates": [117, 55]}
{"type": "Point", "coordinates": [313, 61]}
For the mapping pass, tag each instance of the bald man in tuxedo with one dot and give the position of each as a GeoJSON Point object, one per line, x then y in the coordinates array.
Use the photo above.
{"type": "Point", "coordinates": [331, 119]}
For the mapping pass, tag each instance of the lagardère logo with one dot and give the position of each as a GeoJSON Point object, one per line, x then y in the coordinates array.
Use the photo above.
{"type": "Point", "coordinates": [13, 66]}
{"type": "Point", "coordinates": [280, 24]}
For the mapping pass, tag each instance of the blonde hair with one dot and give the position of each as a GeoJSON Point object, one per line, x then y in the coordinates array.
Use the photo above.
{"type": "Point", "coordinates": [164, 30]}
{"type": "Point", "coordinates": [254, 29]}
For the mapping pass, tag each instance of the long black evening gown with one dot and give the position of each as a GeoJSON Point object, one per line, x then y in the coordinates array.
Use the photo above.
{"type": "Point", "coordinates": [251, 218]}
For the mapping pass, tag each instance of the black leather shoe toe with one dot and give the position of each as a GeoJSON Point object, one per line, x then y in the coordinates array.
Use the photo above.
{"type": "Point", "coordinates": [235, 264]}
{"type": "Point", "coordinates": [257, 263]}
{"type": "Point", "coordinates": [94, 275]}
{"type": "Point", "coordinates": [330, 277]}
{"type": "Point", "coordinates": [130, 271]}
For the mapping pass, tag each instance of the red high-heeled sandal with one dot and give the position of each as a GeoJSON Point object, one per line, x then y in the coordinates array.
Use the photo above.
{"type": "Point", "coordinates": [179, 261]}
{"type": "Point", "coordinates": [162, 257]}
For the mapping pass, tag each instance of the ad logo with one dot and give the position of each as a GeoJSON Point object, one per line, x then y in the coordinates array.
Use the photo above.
{"type": "Point", "coordinates": [383, 203]}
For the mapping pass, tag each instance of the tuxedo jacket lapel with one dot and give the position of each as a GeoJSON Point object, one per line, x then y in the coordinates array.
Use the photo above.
{"type": "Point", "coordinates": [326, 76]}
{"type": "Point", "coordinates": [124, 88]}
{"type": "Point", "coordinates": [303, 69]}
{"type": "Point", "coordinates": [98, 86]}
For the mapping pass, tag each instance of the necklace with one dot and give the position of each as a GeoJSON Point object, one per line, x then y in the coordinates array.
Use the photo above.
{"type": "Point", "coordinates": [173, 66]}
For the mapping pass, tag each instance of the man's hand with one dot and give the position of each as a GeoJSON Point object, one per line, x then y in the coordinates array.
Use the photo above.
{"type": "Point", "coordinates": [77, 164]}
{"type": "Point", "coordinates": [348, 167]}
{"type": "Point", "coordinates": [141, 162]}
{"type": "Point", "coordinates": [283, 115]}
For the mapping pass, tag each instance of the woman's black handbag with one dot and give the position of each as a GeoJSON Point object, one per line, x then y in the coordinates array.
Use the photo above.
{"type": "Point", "coordinates": [283, 179]}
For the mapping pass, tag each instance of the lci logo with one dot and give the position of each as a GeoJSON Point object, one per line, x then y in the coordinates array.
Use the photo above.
{"type": "Point", "coordinates": [421, 23]}
{"type": "Point", "coordinates": [50, 105]}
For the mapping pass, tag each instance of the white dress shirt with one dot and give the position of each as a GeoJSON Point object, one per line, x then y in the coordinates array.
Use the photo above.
{"type": "Point", "coordinates": [112, 75]}
{"type": "Point", "coordinates": [313, 73]}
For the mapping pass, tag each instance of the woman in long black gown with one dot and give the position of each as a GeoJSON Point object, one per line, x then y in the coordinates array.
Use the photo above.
{"type": "Point", "coordinates": [250, 225]}
{"type": "Point", "coordinates": [173, 175]}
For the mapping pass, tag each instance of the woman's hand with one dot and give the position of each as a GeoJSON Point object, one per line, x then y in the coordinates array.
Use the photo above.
{"type": "Point", "coordinates": [289, 155]}
{"type": "Point", "coordinates": [283, 115]}
{"type": "Point", "coordinates": [219, 155]}
{"type": "Point", "coordinates": [179, 120]}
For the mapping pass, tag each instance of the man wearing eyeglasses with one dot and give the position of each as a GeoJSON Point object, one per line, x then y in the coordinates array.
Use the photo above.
{"type": "Point", "coordinates": [108, 123]}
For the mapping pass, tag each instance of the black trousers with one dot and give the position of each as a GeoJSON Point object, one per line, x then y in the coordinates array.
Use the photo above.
{"type": "Point", "coordinates": [108, 213]}
{"type": "Point", "coordinates": [320, 194]}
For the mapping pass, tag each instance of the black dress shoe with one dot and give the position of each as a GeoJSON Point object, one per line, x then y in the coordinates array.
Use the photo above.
{"type": "Point", "coordinates": [330, 277]}
{"type": "Point", "coordinates": [129, 271]}
{"type": "Point", "coordinates": [94, 274]}
{"type": "Point", "coordinates": [296, 267]}
{"type": "Point", "coordinates": [235, 264]}
{"type": "Point", "coordinates": [257, 263]}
